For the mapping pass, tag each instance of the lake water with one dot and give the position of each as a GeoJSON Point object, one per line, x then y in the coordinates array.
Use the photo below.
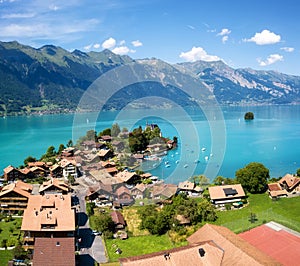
{"type": "Point", "coordinates": [272, 138]}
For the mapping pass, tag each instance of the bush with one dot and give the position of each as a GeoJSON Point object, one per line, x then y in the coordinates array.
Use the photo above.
{"type": "Point", "coordinates": [228, 206]}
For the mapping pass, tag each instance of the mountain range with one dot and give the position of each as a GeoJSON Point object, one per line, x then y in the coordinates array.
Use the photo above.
{"type": "Point", "coordinates": [51, 79]}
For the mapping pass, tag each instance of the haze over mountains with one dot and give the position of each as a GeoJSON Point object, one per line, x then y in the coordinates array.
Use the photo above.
{"type": "Point", "coordinates": [53, 79]}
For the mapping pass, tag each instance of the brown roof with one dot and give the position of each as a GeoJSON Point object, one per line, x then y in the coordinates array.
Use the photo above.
{"type": "Point", "coordinates": [25, 171]}
{"type": "Point", "coordinates": [146, 175]}
{"type": "Point", "coordinates": [125, 176]}
{"type": "Point", "coordinates": [186, 185]}
{"type": "Point", "coordinates": [65, 162]}
{"type": "Point", "coordinates": [290, 180]}
{"type": "Point", "coordinates": [54, 251]}
{"type": "Point", "coordinates": [18, 187]}
{"type": "Point", "coordinates": [276, 193]}
{"type": "Point", "coordinates": [106, 164]}
{"type": "Point", "coordinates": [141, 187]}
{"type": "Point", "coordinates": [101, 187]}
{"type": "Point", "coordinates": [102, 152]}
{"type": "Point", "coordinates": [236, 250]}
{"type": "Point", "coordinates": [121, 190]}
{"type": "Point", "coordinates": [106, 137]}
{"type": "Point", "coordinates": [111, 170]}
{"type": "Point", "coordinates": [51, 209]}
{"type": "Point", "coordinates": [8, 169]}
{"type": "Point", "coordinates": [187, 256]}
{"type": "Point", "coordinates": [54, 182]}
{"type": "Point", "coordinates": [117, 217]}
{"type": "Point", "coordinates": [219, 192]}
{"type": "Point", "coordinates": [274, 187]}
{"type": "Point", "coordinates": [38, 164]}
{"type": "Point", "coordinates": [164, 190]}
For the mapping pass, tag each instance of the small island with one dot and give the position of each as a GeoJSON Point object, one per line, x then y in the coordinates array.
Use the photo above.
{"type": "Point", "coordinates": [249, 116]}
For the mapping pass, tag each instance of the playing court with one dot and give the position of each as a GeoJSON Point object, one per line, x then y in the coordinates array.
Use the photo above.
{"type": "Point", "coordinates": [277, 241]}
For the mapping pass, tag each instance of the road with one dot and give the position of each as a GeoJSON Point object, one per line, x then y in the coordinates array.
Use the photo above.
{"type": "Point", "coordinates": [91, 247]}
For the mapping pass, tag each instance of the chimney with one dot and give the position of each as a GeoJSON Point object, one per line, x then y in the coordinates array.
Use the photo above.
{"type": "Point", "coordinates": [201, 252]}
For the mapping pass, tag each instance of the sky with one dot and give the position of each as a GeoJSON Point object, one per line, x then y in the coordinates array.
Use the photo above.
{"type": "Point", "coordinates": [257, 34]}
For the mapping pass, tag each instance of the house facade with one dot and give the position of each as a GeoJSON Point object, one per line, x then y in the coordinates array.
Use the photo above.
{"type": "Point", "coordinates": [14, 197]}
{"type": "Point", "coordinates": [226, 194]}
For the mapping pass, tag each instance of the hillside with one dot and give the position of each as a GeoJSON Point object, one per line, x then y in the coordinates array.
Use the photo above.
{"type": "Point", "coordinates": [51, 79]}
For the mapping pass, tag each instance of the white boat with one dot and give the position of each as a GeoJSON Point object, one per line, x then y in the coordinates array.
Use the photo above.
{"type": "Point", "coordinates": [177, 161]}
{"type": "Point", "coordinates": [206, 158]}
{"type": "Point", "coordinates": [167, 165]}
{"type": "Point", "coordinates": [203, 149]}
{"type": "Point", "coordinates": [186, 165]}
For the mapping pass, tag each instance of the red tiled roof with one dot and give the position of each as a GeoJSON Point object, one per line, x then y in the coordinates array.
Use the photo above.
{"type": "Point", "coordinates": [19, 187]}
{"type": "Point", "coordinates": [274, 187]}
{"type": "Point", "coordinates": [54, 251]}
{"type": "Point", "coordinates": [117, 217]}
{"type": "Point", "coordinates": [236, 250]}
{"type": "Point", "coordinates": [212, 255]}
{"type": "Point", "coordinates": [290, 180]}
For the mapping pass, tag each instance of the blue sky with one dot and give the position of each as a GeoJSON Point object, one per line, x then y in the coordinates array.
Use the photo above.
{"type": "Point", "coordinates": [259, 34]}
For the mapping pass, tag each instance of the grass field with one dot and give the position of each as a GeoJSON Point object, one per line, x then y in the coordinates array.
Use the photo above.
{"type": "Point", "coordinates": [134, 246]}
{"type": "Point", "coordinates": [285, 211]}
{"type": "Point", "coordinates": [10, 231]}
{"type": "Point", "coordinates": [5, 256]}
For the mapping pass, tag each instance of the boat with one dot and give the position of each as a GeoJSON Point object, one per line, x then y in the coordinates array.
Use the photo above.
{"type": "Point", "coordinates": [203, 149]}
{"type": "Point", "coordinates": [206, 158]}
{"type": "Point", "coordinates": [177, 161]}
{"type": "Point", "coordinates": [167, 165]}
{"type": "Point", "coordinates": [196, 161]}
{"type": "Point", "coordinates": [186, 165]}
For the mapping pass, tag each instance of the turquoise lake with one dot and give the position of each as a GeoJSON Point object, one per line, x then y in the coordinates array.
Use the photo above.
{"type": "Point", "coordinates": [272, 138]}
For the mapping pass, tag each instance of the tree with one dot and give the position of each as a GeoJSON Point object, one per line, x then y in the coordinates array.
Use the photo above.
{"type": "Point", "coordinates": [61, 148]}
{"type": "Point", "coordinates": [29, 159]}
{"type": "Point", "coordinates": [249, 116]}
{"type": "Point", "coordinates": [71, 179]}
{"type": "Point", "coordinates": [253, 177]}
{"type": "Point", "coordinates": [103, 222]}
{"type": "Point", "coordinates": [298, 172]}
{"type": "Point", "coordinates": [91, 135]}
{"type": "Point", "coordinates": [70, 143]}
{"type": "Point", "coordinates": [115, 130]}
{"type": "Point", "coordinates": [220, 180]}
{"type": "Point", "coordinates": [206, 211]}
{"type": "Point", "coordinates": [200, 180]}
{"type": "Point", "coordinates": [105, 132]}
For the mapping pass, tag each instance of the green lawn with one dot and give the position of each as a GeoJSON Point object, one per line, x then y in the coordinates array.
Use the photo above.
{"type": "Point", "coordinates": [5, 256]}
{"type": "Point", "coordinates": [285, 211]}
{"type": "Point", "coordinates": [134, 246]}
{"type": "Point", "coordinates": [10, 231]}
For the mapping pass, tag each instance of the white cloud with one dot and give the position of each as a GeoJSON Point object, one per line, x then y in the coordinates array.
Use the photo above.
{"type": "Point", "coordinates": [18, 15]}
{"type": "Point", "coordinates": [287, 49]}
{"type": "Point", "coordinates": [224, 39]}
{"type": "Point", "coordinates": [191, 27]}
{"type": "Point", "coordinates": [96, 45]}
{"type": "Point", "coordinates": [109, 43]}
{"type": "Point", "coordinates": [224, 32]}
{"type": "Point", "coordinates": [122, 50]}
{"type": "Point", "coordinates": [137, 43]}
{"type": "Point", "coordinates": [53, 7]}
{"type": "Point", "coordinates": [122, 42]}
{"type": "Point", "coordinates": [87, 47]}
{"type": "Point", "coordinates": [264, 37]}
{"type": "Point", "coordinates": [273, 58]}
{"type": "Point", "coordinates": [198, 53]}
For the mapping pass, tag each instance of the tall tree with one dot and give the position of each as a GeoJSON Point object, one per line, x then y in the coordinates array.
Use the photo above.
{"type": "Point", "coordinates": [115, 130]}
{"type": "Point", "coordinates": [253, 177]}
